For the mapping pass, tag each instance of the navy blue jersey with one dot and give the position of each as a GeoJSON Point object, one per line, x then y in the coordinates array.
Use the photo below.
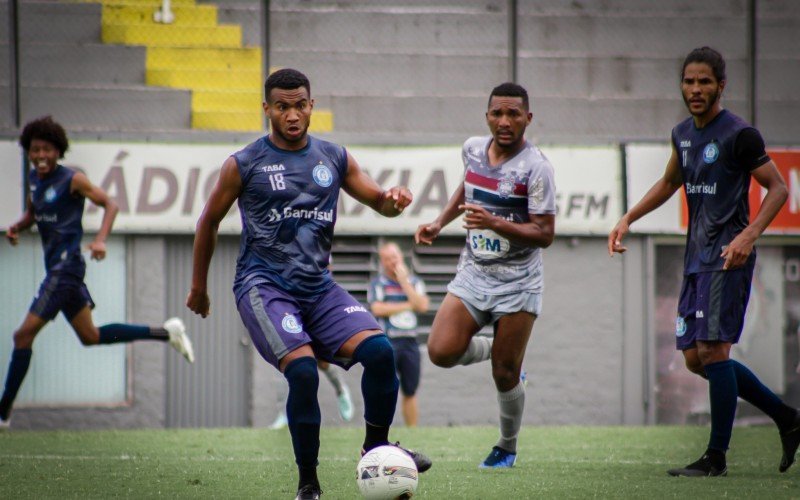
{"type": "Point", "coordinates": [716, 179]}
{"type": "Point", "coordinates": [58, 214]}
{"type": "Point", "coordinates": [288, 208]}
{"type": "Point", "coordinates": [383, 289]}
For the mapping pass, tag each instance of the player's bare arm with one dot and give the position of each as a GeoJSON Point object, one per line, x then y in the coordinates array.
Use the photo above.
{"type": "Point", "coordinates": [538, 232]}
{"type": "Point", "coordinates": [768, 176]}
{"type": "Point", "coordinates": [224, 194]}
{"type": "Point", "coordinates": [82, 185]}
{"type": "Point", "coordinates": [389, 203]}
{"type": "Point", "coordinates": [426, 233]}
{"type": "Point", "coordinates": [661, 191]}
{"type": "Point", "coordinates": [24, 222]}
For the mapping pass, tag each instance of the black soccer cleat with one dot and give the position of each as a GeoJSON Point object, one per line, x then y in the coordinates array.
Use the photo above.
{"type": "Point", "coordinates": [422, 462]}
{"type": "Point", "coordinates": [790, 441]}
{"type": "Point", "coordinates": [308, 492]}
{"type": "Point", "coordinates": [701, 468]}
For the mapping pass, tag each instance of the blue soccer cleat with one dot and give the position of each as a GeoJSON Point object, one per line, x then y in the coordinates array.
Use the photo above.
{"type": "Point", "coordinates": [499, 459]}
{"type": "Point", "coordinates": [345, 404]}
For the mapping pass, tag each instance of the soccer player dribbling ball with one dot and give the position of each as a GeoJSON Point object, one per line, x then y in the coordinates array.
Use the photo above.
{"type": "Point", "coordinates": [714, 156]}
{"type": "Point", "coordinates": [287, 184]}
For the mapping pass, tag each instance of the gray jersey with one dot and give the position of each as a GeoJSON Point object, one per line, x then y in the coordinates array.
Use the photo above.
{"type": "Point", "coordinates": [522, 185]}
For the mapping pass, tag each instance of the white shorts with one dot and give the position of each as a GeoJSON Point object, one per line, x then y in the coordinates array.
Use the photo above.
{"type": "Point", "coordinates": [487, 309]}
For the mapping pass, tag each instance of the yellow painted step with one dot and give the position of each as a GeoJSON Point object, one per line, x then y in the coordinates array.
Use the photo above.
{"type": "Point", "coordinates": [226, 100]}
{"type": "Point", "coordinates": [199, 15]}
{"type": "Point", "coordinates": [203, 58]}
{"type": "Point", "coordinates": [160, 35]}
{"type": "Point", "coordinates": [321, 121]}
{"type": "Point", "coordinates": [204, 79]}
{"type": "Point", "coordinates": [153, 3]}
{"type": "Point", "coordinates": [227, 120]}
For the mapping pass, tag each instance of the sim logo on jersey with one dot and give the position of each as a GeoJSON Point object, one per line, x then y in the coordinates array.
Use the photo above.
{"type": "Point", "coordinates": [290, 324]}
{"type": "Point", "coordinates": [710, 153]}
{"type": "Point", "coordinates": [486, 243]}
{"type": "Point", "coordinates": [322, 175]}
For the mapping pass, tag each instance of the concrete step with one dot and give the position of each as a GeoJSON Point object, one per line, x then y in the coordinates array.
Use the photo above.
{"type": "Point", "coordinates": [89, 64]}
{"type": "Point", "coordinates": [173, 36]}
{"type": "Point", "coordinates": [203, 58]}
{"type": "Point", "coordinates": [205, 79]}
{"type": "Point", "coordinates": [59, 22]}
{"type": "Point", "coordinates": [201, 15]}
{"type": "Point", "coordinates": [109, 108]}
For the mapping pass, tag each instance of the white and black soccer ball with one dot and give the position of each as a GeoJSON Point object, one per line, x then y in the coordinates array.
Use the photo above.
{"type": "Point", "coordinates": [386, 473]}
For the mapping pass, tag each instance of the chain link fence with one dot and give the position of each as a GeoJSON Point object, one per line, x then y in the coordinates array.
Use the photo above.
{"type": "Point", "coordinates": [390, 72]}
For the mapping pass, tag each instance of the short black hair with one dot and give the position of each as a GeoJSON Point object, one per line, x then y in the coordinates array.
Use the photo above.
{"type": "Point", "coordinates": [509, 89]}
{"type": "Point", "coordinates": [709, 56]}
{"type": "Point", "coordinates": [44, 129]}
{"type": "Point", "coordinates": [287, 79]}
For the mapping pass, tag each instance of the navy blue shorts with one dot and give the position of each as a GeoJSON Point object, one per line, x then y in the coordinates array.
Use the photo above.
{"type": "Point", "coordinates": [407, 363]}
{"type": "Point", "coordinates": [279, 323]}
{"type": "Point", "coordinates": [712, 306]}
{"type": "Point", "coordinates": [61, 292]}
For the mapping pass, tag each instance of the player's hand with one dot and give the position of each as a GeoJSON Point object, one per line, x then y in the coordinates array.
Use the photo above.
{"type": "Point", "coordinates": [426, 233]}
{"type": "Point", "coordinates": [401, 271]}
{"type": "Point", "coordinates": [12, 235]}
{"type": "Point", "coordinates": [98, 250]}
{"type": "Point", "coordinates": [199, 302]}
{"type": "Point", "coordinates": [615, 237]}
{"type": "Point", "coordinates": [400, 196]}
{"type": "Point", "coordinates": [477, 217]}
{"type": "Point", "coordinates": [737, 252]}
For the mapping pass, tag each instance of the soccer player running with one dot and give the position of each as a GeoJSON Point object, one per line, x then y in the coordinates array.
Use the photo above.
{"type": "Point", "coordinates": [287, 184]}
{"type": "Point", "coordinates": [714, 155]}
{"type": "Point", "coordinates": [55, 204]}
{"type": "Point", "coordinates": [395, 297]}
{"type": "Point", "coordinates": [508, 195]}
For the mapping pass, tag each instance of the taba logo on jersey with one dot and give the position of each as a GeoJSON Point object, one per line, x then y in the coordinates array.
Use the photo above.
{"type": "Point", "coordinates": [273, 168]}
{"type": "Point", "coordinates": [290, 324]}
{"type": "Point", "coordinates": [710, 153]}
{"type": "Point", "coordinates": [354, 309]}
{"type": "Point", "coordinates": [50, 195]}
{"type": "Point", "coordinates": [322, 175]}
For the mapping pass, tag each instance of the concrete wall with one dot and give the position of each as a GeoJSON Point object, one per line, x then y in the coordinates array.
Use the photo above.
{"type": "Point", "coordinates": [578, 360]}
{"type": "Point", "coordinates": [147, 382]}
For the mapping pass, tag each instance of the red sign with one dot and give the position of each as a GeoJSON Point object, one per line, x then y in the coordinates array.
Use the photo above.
{"type": "Point", "coordinates": [788, 219]}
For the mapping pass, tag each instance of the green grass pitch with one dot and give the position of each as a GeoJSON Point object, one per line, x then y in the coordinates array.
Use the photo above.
{"type": "Point", "coordinates": [553, 462]}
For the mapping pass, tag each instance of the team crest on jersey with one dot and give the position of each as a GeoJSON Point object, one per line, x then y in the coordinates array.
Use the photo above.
{"type": "Point", "coordinates": [680, 327]}
{"type": "Point", "coordinates": [322, 175]}
{"type": "Point", "coordinates": [710, 153]}
{"type": "Point", "coordinates": [50, 195]}
{"type": "Point", "coordinates": [505, 186]}
{"type": "Point", "coordinates": [290, 324]}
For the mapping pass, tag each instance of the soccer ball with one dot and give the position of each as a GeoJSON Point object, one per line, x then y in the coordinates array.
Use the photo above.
{"type": "Point", "coordinates": [386, 473]}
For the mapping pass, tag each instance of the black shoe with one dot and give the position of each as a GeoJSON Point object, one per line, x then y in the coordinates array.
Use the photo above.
{"type": "Point", "coordinates": [308, 492]}
{"type": "Point", "coordinates": [422, 462]}
{"type": "Point", "coordinates": [702, 468]}
{"type": "Point", "coordinates": [790, 440]}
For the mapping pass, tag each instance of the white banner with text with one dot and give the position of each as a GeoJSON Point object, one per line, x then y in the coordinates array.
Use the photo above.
{"type": "Point", "coordinates": [161, 188]}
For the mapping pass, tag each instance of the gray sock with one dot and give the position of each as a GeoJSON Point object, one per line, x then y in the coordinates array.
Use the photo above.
{"type": "Point", "coordinates": [480, 349]}
{"type": "Point", "coordinates": [512, 403]}
{"type": "Point", "coordinates": [333, 377]}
